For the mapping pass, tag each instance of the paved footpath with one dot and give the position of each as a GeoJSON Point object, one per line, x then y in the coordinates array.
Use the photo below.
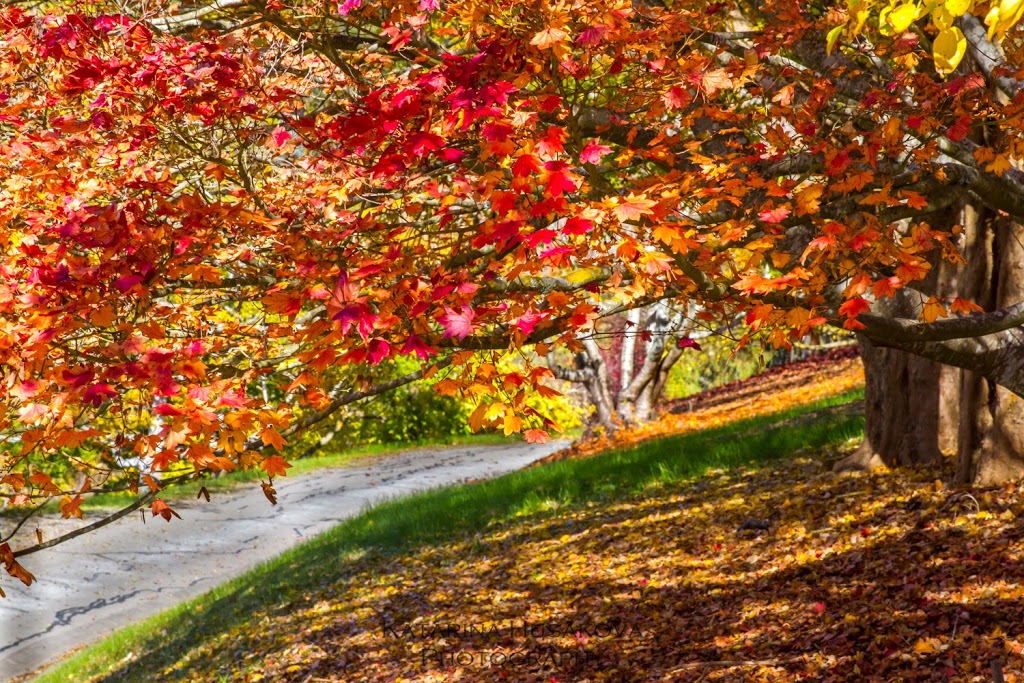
{"type": "Point", "coordinates": [124, 572]}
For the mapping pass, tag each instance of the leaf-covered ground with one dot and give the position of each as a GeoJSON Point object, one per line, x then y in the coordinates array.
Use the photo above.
{"type": "Point", "coordinates": [773, 391]}
{"type": "Point", "coordinates": [777, 572]}
{"type": "Point", "coordinates": [869, 577]}
{"type": "Point", "coordinates": [872, 577]}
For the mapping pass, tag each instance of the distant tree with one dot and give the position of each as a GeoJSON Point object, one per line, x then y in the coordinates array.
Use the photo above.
{"type": "Point", "coordinates": [626, 380]}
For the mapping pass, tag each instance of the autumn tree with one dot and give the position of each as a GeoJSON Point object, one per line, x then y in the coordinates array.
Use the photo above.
{"type": "Point", "coordinates": [625, 378]}
{"type": "Point", "coordinates": [201, 199]}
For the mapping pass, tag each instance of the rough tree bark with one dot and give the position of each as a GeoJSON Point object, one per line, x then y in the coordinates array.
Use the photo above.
{"type": "Point", "coordinates": [917, 408]}
{"type": "Point", "coordinates": [991, 426]}
{"type": "Point", "coordinates": [901, 406]}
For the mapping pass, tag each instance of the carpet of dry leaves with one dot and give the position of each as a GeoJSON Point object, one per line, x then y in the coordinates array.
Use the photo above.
{"type": "Point", "coordinates": [780, 573]}
{"type": "Point", "coordinates": [860, 577]}
{"type": "Point", "coordinates": [774, 391]}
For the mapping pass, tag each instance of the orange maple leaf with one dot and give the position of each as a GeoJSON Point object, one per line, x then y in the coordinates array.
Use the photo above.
{"type": "Point", "coordinates": [632, 207]}
{"type": "Point", "coordinates": [963, 306]}
{"type": "Point", "coordinates": [162, 509]}
{"type": "Point", "coordinates": [275, 465]}
{"type": "Point", "coordinates": [933, 310]}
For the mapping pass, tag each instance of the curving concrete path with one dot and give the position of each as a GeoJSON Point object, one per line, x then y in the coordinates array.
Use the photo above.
{"type": "Point", "coordinates": [122, 573]}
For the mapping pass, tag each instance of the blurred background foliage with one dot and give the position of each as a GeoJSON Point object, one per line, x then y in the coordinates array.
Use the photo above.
{"type": "Point", "coordinates": [718, 362]}
{"type": "Point", "coordinates": [416, 413]}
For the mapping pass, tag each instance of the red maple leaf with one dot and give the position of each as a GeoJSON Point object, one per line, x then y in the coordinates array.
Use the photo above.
{"type": "Point", "coordinates": [776, 215]}
{"type": "Point", "coordinates": [551, 143]}
{"type": "Point", "coordinates": [593, 151]}
{"type": "Point", "coordinates": [416, 345]}
{"type": "Point", "coordinates": [458, 324]}
{"type": "Point", "coordinates": [526, 165]}
{"type": "Point", "coordinates": [854, 307]}
{"type": "Point", "coordinates": [688, 343]}
{"type": "Point", "coordinates": [559, 178]}
{"type": "Point", "coordinates": [378, 351]}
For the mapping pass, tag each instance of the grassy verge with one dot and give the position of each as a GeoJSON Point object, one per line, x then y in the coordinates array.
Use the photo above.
{"type": "Point", "coordinates": [150, 650]}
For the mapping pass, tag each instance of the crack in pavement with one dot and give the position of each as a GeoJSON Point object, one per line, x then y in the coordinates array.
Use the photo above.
{"type": "Point", "coordinates": [65, 616]}
{"type": "Point", "coordinates": [125, 572]}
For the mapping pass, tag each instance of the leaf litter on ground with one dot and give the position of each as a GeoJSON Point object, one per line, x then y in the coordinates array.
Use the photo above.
{"type": "Point", "coordinates": [774, 391]}
{"type": "Point", "coordinates": [880, 576]}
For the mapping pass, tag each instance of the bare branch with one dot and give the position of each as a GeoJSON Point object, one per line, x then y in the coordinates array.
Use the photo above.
{"type": "Point", "coordinates": [191, 19]}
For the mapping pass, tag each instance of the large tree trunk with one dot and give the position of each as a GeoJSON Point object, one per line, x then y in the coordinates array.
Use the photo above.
{"type": "Point", "coordinates": [916, 408]}
{"type": "Point", "coordinates": [991, 435]}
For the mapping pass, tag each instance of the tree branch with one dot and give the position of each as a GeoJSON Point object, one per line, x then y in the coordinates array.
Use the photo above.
{"type": "Point", "coordinates": [98, 524]}
{"type": "Point", "coordinates": [177, 22]}
{"type": "Point", "coordinates": [897, 330]}
{"type": "Point", "coordinates": [988, 56]}
{"type": "Point", "coordinates": [998, 356]}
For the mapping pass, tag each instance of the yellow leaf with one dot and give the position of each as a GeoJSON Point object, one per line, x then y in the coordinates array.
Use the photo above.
{"type": "Point", "coordinates": [949, 48]}
{"type": "Point", "coordinates": [512, 424]}
{"type": "Point", "coordinates": [862, 17]}
{"type": "Point", "coordinates": [860, 11]}
{"type": "Point", "coordinates": [957, 7]}
{"type": "Point", "coordinates": [1010, 12]}
{"type": "Point", "coordinates": [496, 410]}
{"type": "Point", "coordinates": [992, 19]}
{"type": "Point", "coordinates": [883, 22]}
{"type": "Point", "coordinates": [833, 38]}
{"type": "Point", "coordinates": [1000, 19]}
{"type": "Point", "coordinates": [942, 18]}
{"type": "Point", "coordinates": [902, 17]}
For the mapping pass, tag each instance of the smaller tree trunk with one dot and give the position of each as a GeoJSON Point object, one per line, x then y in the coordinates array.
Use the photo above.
{"type": "Point", "coordinates": [636, 398]}
{"type": "Point", "coordinates": [901, 409]}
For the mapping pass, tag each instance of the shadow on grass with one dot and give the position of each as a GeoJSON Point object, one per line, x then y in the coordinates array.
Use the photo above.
{"type": "Point", "coordinates": [179, 643]}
